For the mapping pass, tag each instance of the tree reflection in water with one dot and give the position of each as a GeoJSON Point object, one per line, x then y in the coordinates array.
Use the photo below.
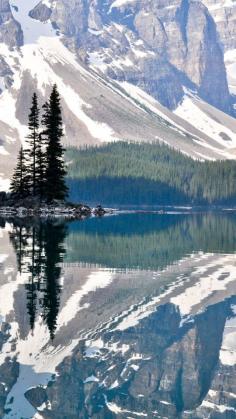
{"type": "Point", "coordinates": [39, 248]}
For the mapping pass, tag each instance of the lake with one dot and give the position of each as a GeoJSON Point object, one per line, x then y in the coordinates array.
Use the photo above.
{"type": "Point", "coordinates": [126, 316]}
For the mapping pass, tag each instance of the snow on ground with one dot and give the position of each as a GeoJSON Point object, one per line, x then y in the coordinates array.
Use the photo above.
{"type": "Point", "coordinates": [221, 4]}
{"type": "Point", "coordinates": [8, 113]}
{"type": "Point", "coordinates": [42, 50]}
{"type": "Point", "coordinates": [218, 407]}
{"type": "Point", "coordinates": [114, 408]}
{"type": "Point", "coordinates": [120, 3]}
{"type": "Point", "coordinates": [4, 184]}
{"type": "Point", "coordinates": [230, 62]}
{"type": "Point", "coordinates": [148, 101]}
{"type": "Point", "coordinates": [3, 151]}
{"type": "Point", "coordinates": [32, 29]}
{"type": "Point", "coordinates": [189, 111]}
{"type": "Point", "coordinates": [39, 60]}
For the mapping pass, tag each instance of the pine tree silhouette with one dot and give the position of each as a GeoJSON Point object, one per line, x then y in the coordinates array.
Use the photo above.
{"type": "Point", "coordinates": [33, 144]}
{"type": "Point", "coordinates": [41, 168]}
{"type": "Point", "coordinates": [55, 186]}
{"type": "Point", "coordinates": [20, 180]}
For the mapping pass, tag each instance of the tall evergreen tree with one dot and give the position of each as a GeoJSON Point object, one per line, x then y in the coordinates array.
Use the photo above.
{"type": "Point", "coordinates": [41, 166]}
{"type": "Point", "coordinates": [19, 184]}
{"type": "Point", "coordinates": [55, 186]}
{"type": "Point", "coordinates": [33, 143]}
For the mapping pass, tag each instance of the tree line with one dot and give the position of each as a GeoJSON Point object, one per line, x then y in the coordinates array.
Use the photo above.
{"type": "Point", "coordinates": [148, 173]}
{"type": "Point", "coordinates": [40, 171]}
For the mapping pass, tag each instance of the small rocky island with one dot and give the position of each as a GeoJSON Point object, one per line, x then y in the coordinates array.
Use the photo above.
{"type": "Point", "coordinates": [28, 207]}
{"type": "Point", "coordinates": [38, 185]}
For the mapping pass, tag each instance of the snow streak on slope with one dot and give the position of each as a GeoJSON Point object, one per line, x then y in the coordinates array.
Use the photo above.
{"type": "Point", "coordinates": [200, 123]}
{"type": "Point", "coordinates": [38, 60]}
{"type": "Point", "coordinates": [190, 110]}
{"type": "Point", "coordinates": [120, 3]}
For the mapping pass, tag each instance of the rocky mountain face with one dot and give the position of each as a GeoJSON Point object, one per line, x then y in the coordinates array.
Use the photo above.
{"type": "Point", "coordinates": [160, 46]}
{"type": "Point", "coordinates": [224, 14]}
{"type": "Point", "coordinates": [10, 30]}
{"type": "Point", "coordinates": [116, 63]}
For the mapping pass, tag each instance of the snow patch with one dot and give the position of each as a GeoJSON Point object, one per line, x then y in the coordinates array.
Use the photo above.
{"type": "Point", "coordinates": [32, 29]}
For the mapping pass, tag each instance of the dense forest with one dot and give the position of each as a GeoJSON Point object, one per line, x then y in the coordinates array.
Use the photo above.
{"type": "Point", "coordinates": [125, 173]}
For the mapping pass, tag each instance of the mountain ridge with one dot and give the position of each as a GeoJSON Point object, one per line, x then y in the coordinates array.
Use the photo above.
{"type": "Point", "coordinates": [41, 49]}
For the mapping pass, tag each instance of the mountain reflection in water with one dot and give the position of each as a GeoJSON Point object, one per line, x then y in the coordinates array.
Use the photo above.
{"type": "Point", "coordinates": [119, 317]}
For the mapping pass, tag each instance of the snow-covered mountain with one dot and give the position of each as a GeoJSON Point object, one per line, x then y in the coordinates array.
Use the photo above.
{"type": "Point", "coordinates": [119, 66]}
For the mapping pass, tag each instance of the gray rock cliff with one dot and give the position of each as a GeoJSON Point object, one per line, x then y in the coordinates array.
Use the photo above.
{"type": "Point", "coordinates": [160, 46]}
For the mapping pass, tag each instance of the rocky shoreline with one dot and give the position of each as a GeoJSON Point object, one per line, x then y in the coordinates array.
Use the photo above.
{"type": "Point", "coordinates": [55, 209]}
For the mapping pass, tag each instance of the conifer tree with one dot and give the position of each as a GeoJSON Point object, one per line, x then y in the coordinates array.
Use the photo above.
{"type": "Point", "coordinates": [19, 184]}
{"type": "Point", "coordinates": [33, 143]}
{"type": "Point", "coordinates": [40, 168]}
{"type": "Point", "coordinates": [55, 186]}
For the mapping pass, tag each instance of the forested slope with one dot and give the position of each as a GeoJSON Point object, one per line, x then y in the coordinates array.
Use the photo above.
{"type": "Point", "coordinates": [125, 173]}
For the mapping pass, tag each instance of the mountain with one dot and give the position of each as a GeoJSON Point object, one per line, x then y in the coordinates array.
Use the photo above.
{"type": "Point", "coordinates": [127, 70]}
{"type": "Point", "coordinates": [224, 14]}
{"type": "Point", "coordinates": [159, 46]}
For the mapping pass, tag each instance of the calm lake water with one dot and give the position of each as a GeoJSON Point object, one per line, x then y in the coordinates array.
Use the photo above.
{"type": "Point", "coordinates": [127, 316]}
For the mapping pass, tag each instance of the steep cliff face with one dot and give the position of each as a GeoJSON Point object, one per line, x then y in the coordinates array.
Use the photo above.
{"type": "Point", "coordinates": [224, 14]}
{"type": "Point", "coordinates": [10, 30]}
{"type": "Point", "coordinates": [159, 46]}
{"type": "Point", "coordinates": [114, 53]}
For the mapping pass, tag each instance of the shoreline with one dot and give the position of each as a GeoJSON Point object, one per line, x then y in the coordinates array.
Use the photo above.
{"type": "Point", "coordinates": [79, 211]}
{"type": "Point", "coordinates": [76, 211]}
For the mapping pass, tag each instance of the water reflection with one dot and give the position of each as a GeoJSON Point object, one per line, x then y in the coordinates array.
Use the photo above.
{"type": "Point", "coordinates": [149, 241]}
{"type": "Point", "coordinates": [121, 317]}
{"type": "Point", "coordinates": [39, 248]}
